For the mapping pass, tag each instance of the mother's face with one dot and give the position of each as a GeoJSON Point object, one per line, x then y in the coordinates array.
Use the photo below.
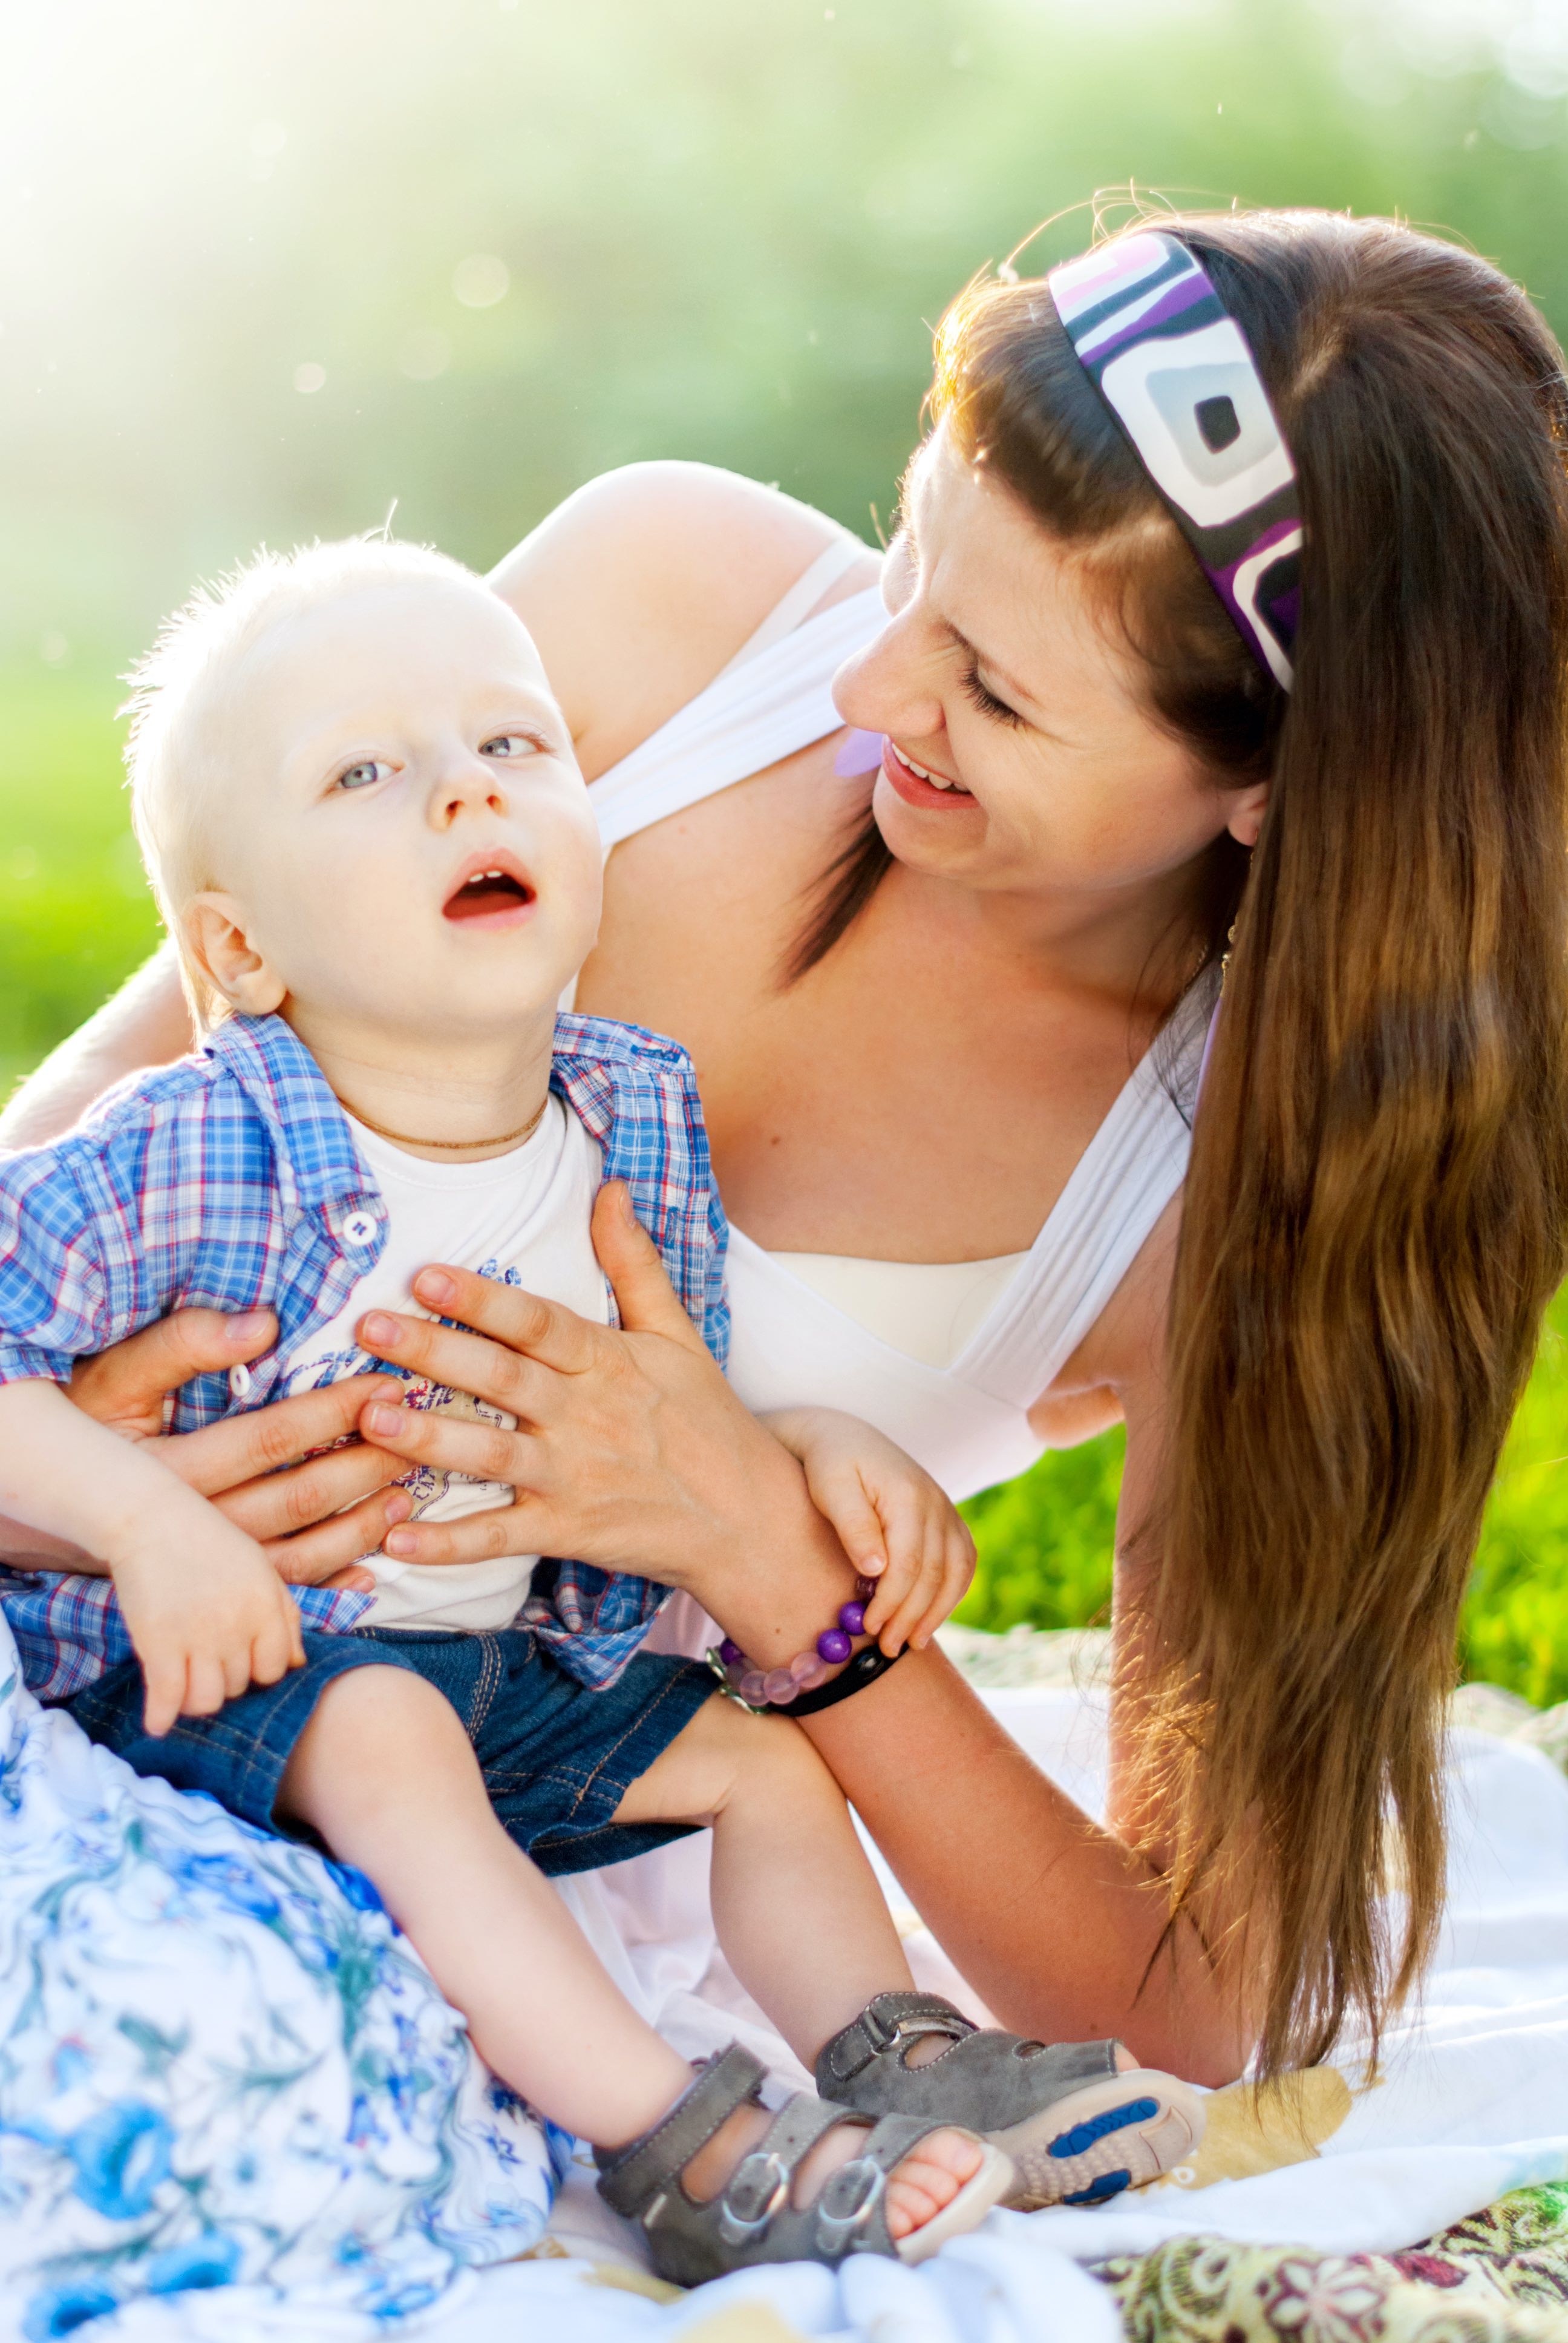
{"type": "Point", "coordinates": [997, 674]}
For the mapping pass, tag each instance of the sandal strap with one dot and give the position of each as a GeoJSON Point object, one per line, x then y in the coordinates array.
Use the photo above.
{"type": "Point", "coordinates": [630, 2178]}
{"type": "Point", "coordinates": [760, 2186]}
{"type": "Point", "coordinates": [891, 2019]}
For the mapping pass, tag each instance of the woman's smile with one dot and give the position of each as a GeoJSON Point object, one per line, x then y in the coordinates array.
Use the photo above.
{"type": "Point", "coordinates": [918, 785]}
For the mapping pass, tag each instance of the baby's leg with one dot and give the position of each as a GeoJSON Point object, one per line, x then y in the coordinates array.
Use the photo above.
{"type": "Point", "coordinates": [796, 1905]}
{"type": "Point", "coordinates": [384, 1773]}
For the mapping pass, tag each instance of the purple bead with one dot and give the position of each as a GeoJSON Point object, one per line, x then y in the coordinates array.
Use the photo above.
{"type": "Point", "coordinates": [808, 1671]}
{"type": "Point", "coordinates": [779, 1685]}
{"type": "Point", "coordinates": [852, 1618]}
{"type": "Point", "coordinates": [753, 1688]}
{"type": "Point", "coordinates": [864, 1588]}
{"type": "Point", "coordinates": [834, 1645]}
{"type": "Point", "coordinates": [731, 1654]}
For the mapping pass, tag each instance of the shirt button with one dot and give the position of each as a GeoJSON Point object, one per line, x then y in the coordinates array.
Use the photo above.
{"type": "Point", "coordinates": [358, 1228]}
{"type": "Point", "coordinates": [240, 1380]}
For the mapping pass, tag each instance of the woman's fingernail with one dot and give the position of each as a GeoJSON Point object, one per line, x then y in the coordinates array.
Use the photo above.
{"type": "Point", "coordinates": [399, 1543]}
{"type": "Point", "coordinates": [398, 1506]}
{"type": "Point", "coordinates": [433, 1286]}
{"type": "Point", "coordinates": [385, 1419]}
{"type": "Point", "coordinates": [873, 1567]}
{"type": "Point", "coordinates": [245, 1326]}
{"type": "Point", "coordinates": [382, 1332]}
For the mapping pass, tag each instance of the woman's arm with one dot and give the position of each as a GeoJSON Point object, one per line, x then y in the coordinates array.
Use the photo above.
{"type": "Point", "coordinates": [313, 1506]}
{"type": "Point", "coordinates": [633, 1453]}
{"type": "Point", "coordinates": [146, 1025]}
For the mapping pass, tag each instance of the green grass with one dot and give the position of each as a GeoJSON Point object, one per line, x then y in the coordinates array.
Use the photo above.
{"type": "Point", "coordinates": [1045, 1542]}
{"type": "Point", "coordinates": [75, 917]}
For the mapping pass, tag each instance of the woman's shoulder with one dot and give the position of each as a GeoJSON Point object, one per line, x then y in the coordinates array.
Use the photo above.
{"type": "Point", "coordinates": [644, 584]}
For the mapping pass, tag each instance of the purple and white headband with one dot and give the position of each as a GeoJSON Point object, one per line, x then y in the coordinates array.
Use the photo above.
{"type": "Point", "coordinates": [1173, 366]}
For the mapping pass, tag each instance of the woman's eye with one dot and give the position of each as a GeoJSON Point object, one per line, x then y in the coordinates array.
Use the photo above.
{"type": "Point", "coordinates": [362, 774]}
{"type": "Point", "coordinates": [511, 744]}
{"type": "Point", "coordinates": [987, 701]}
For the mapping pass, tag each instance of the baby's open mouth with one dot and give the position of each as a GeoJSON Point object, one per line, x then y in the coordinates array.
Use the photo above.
{"type": "Point", "coordinates": [487, 894]}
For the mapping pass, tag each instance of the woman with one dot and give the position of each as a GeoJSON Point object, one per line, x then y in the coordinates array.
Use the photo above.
{"type": "Point", "coordinates": [948, 1046]}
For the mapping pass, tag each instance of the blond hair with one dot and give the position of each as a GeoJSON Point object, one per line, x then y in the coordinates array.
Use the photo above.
{"type": "Point", "coordinates": [177, 753]}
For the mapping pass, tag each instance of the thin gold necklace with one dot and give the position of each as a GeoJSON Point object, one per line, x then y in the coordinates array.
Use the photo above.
{"type": "Point", "coordinates": [402, 1139]}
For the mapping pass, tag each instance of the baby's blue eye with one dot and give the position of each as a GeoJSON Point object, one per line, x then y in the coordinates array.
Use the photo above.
{"type": "Point", "coordinates": [361, 776]}
{"type": "Point", "coordinates": [511, 744]}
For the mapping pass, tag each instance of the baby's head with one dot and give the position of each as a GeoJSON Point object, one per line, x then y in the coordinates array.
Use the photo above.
{"type": "Point", "coordinates": [358, 800]}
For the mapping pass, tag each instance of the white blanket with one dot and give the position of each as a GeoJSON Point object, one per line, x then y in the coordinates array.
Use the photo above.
{"type": "Point", "coordinates": [1472, 2100]}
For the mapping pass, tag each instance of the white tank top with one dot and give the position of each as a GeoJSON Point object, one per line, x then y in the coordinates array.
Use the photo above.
{"type": "Point", "coordinates": [946, 1357]}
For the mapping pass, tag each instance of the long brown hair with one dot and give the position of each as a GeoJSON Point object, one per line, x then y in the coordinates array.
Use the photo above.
{"type": "Point", "coordinates": [1376, 1212]}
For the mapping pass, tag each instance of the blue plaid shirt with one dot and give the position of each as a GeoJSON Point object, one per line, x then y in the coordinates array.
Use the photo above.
{"type": "Point", "coordinates": [230, 1182]}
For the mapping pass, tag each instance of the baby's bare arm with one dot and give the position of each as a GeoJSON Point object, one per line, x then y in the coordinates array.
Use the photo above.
{"type": "Point", "coordinates": [207, 1613]}
{"type": "Point", "coordinates": [895, 1523]}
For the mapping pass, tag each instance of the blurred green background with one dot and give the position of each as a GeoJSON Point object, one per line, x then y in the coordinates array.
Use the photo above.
{"type": "Point", "coordinates": [267, 267]}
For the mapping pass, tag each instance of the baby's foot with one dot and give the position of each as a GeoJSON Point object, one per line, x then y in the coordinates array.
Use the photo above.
{"type": "Point", "coordinates": [920, 2188]}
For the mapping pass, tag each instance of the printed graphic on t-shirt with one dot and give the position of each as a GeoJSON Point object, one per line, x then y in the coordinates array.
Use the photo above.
{"type": "Point", "coordinates": [427, 1485]}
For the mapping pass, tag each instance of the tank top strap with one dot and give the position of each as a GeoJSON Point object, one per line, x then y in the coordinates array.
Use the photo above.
{"type": "Point", "coordinates": [1122, 1183]}
{"type": "Point", "coordinates": [771, 701]}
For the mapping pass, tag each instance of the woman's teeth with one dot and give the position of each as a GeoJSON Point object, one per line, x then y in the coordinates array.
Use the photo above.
{"type": "Point", "coordinates": [937, 780]}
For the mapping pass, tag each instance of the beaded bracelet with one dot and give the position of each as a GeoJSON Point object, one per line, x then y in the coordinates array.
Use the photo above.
{"type": "Point", "coordinates": [777, 1687]}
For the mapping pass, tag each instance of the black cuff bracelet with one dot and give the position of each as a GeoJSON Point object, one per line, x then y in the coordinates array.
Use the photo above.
{"type": "Point", "coordinates": [863, 1670]}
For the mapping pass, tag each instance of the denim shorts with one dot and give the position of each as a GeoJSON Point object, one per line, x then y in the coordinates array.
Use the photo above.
{"type": "Point", "coordinates": [557, 1758]}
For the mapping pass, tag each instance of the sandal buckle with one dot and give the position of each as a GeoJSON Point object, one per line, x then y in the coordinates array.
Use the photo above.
{"type": "Point", "coordinates": [758, 2186]}
{"type": "Point", "coordinates": [847, 2202]}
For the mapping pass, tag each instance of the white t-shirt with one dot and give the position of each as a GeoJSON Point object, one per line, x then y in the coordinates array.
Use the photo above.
{"type": "Point", "coordinates": [522, 1218]}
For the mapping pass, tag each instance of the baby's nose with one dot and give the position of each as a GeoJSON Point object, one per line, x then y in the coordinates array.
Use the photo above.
{"type": "Point", "coordinates": [468, 785]}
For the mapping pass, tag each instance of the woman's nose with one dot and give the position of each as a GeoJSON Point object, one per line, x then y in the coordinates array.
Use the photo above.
{"type": "Point", "coordinates": [888, 686]}
{"type": "Point", "coordinates": [468, 784]}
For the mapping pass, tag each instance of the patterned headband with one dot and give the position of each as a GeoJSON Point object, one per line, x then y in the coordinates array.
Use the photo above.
{"type": "Point", "coordinates": [1171, 365]}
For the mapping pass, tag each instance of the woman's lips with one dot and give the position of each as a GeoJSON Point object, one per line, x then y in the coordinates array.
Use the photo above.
{"type": "Point", "coordinates": [917, 792]}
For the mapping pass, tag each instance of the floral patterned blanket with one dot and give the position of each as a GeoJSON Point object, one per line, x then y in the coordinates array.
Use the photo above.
{"type": "Point", "coordinates": [1503, 2273]}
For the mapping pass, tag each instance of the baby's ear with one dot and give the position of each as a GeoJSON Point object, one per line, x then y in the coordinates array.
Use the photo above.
{"type": "Point", "coordinates": [215, 938]}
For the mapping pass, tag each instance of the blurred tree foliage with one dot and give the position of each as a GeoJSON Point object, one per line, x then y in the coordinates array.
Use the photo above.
{"type": "Point", "coordinates": [723, 232]}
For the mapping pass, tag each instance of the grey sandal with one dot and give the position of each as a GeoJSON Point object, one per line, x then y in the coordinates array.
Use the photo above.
{"type": "Point", "coordinates": [753, 2219]}
{"type": "Point", "coordinates": [1078, 2130]}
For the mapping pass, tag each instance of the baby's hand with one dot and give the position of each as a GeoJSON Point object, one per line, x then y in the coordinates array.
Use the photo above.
{"type": "Point", "coordinates": [207, 1613]}
{"type": "Point", "coordinates": [893, 1522]}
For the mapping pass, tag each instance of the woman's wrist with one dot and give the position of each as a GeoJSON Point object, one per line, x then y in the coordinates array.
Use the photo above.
{"type": "Point", "coordinates": [773, 1573]}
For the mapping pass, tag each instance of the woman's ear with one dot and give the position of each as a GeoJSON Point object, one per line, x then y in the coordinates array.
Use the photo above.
{"type": "Point", "coordinates": [1248, 808]}
{"type": "Point", "coordinates": [217, 939]}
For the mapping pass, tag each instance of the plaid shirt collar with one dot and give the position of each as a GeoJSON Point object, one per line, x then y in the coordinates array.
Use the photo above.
{"type": "Point", "coordinates": [312, 1146]}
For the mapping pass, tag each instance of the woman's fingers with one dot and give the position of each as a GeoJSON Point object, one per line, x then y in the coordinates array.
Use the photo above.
{"type": "Point", "coordinates": [482, 1364]}
{"type": "Point", "coordinates": [521, 1528]}
{"type": "Point", "coordinates": [647, 1302]}
{"type": "Point", "coordinates": [546, 1330]}
{"type": "Point", "coordinates": [324, 1555]}
{"type": "Point", "coordinates": [222, 1456]}
{"type": "Point", "coordinates": [487, 1452]}
{"type": "Point", "coordinates": [283, 1503]}
{"type": "Point", "coordinates": [125, 1386]}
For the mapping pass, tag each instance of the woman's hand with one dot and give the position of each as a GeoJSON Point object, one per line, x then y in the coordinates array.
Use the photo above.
{"type": "Point", "coordinates": [250, 1465]}
{"type": "Point", "coordinates": [630, 1450]}
{"type": "Point", "coordinates": [895, 1523]}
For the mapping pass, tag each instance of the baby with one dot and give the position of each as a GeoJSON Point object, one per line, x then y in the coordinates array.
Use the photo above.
{"type": "Point", "coordinates": [366, 830]}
